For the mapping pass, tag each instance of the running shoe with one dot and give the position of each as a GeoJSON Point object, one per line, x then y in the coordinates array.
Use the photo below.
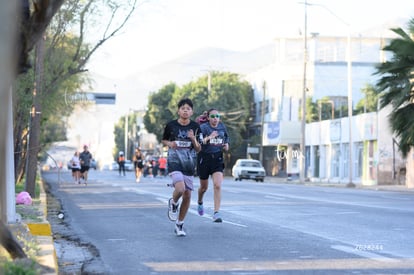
{"type": "Point", "coordinates": [217, 217]}
{"type": "Point", "coordinates": [179, 230]}
{"type": "Point", "coordinates": [172, 210]}
{"type": "Point", "coordinates": [200, 209]}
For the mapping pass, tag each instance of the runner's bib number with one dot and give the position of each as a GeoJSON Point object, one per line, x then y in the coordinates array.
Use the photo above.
{"type": "Point", "coordinates": [183, 144]}
{"type": "Point", "coordinates": [216, 141]}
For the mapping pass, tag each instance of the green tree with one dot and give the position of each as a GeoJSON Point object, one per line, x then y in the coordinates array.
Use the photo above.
{"type": "Point", "coordinates": [119, 133]}
{"type": "Point", "coordinates": [396, 86]}
{"type": "Point", "coordinates": [61, 57]}
{"type": "Point", "coordinates": [161, 109]}
{"type": "Point", "coordinates": [312, 111]}
{"type": "Point", "coordinates": [228, 94]}
{"type": "Point", "coordinates": [370, 101]}
{"type": "Point", "coordinates": [33, 20]}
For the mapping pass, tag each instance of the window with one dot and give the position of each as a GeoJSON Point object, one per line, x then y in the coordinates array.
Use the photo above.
{"type": "Point", "coordinates": [335, 156]}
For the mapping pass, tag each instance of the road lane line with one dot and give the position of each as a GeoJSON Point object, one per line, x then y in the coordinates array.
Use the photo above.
{"type": "Point", "coordinates": [275, 197]}
{"type": "Point", "coordinates": [192, 211]}
{"type": "Point", "coordinates": [116, 240]}
{"type": "Point", "coordinates": [347, 213]}
{"type": "Point", "coordinates": [165, 200]}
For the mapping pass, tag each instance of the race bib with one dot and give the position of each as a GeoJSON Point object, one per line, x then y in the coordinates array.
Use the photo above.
{"type": "Point", "coordinates": [183, 144]}
{"type": "Point", "coordinates": [216, 141]}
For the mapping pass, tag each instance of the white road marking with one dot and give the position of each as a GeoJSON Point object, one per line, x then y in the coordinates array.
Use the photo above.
{"type": "Point", "coordinates": [275, 197]}
{"type": "Point", "coordinates": [347, 213]}
{"type": "Point", "coordinates": [116, 240]}
{"type": "Point", "coordinates": [363, 253]}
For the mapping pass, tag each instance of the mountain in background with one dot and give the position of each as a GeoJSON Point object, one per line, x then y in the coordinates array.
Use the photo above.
{"type": "Point", "coordinates": [132, 91]}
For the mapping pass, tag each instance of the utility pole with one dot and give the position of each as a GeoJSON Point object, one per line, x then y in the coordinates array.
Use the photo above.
{"type": "Point", "coordinates": [126, 136]}
{"type": "Point", "coordinates": [303, 124]}
{"type": "Point", "coordinates": [350, 105]}
{"type": "Point", "coordinates": [34, 137]}
{"type": "Point", "coordinates": [349, 84]}
{"type": "Point", "coordinates": [262, 121]}
{"type": "Point", "coordinates": [8, 31]}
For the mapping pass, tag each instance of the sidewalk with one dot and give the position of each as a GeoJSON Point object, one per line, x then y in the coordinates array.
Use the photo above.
{"type": "Point", "coordinates": [41, 232]}
{"type": "Point", "coordinates": [390, 187]}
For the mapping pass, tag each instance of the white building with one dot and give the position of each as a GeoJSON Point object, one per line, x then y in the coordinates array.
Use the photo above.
{"type": "Point", "coordinates": [278, 88]}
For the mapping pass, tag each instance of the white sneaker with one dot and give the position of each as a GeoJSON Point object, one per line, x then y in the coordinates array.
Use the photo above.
{"type": "Point", "coordinates": [217, 217]}
{"type": "Point", "coordinates": [172, 210]}
{"type": "Point", "coordinates": [179, 230]}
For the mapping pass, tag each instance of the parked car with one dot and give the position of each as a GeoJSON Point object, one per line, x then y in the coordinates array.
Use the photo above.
{"type": "Point", "coordinates": [129, 165]}
{"type": "Point", "coordinates": [248, 169]}
{"type": "Point", "coordinates": [105, 167]}
{"type": "Point", "coordinates": [114, 166]}
{"type": "Point", "coordinates": [93, 164]}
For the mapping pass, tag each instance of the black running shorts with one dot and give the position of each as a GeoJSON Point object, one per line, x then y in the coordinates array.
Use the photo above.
{"type": "Point", "coordinates": [84, 168]}
{"type": "Point", "coordinates": [208, 164]}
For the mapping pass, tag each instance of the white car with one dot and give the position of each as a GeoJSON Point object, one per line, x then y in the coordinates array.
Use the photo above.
{"type": "Point", "coordinates": [129, 165]}
{"type": "Point", "coordinates": [114, 166]}
{"type": "Point", "coordinates": [248, 169]}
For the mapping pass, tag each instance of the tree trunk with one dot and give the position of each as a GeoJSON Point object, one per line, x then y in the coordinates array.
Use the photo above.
{"type": "Point", "coordinates": [409, 168]}
{"type": "Point", "coordinates": [35, 115]}
{"type": "Point", "coordinates": [19, 149]}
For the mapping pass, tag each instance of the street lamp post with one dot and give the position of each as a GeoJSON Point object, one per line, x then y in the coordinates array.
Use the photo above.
{"type": "Point", "coordinates": [126, 136]}
{"type": "Point", "coordinates": [349, 84]}
{"type": "Point", "coordinates": [349, 81]}
{"type": "Point", "coordinates": [303, 122]}
{"type": "Point", "coordinates": [262, 121]}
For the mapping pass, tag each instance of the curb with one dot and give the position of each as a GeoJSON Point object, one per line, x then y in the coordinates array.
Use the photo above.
{"type": "Point", "coordinates": [385, 187]}
{"type": "Point", "coordinates": [42, 232]}
{"type": "Point", "coordinates": [41, 228]}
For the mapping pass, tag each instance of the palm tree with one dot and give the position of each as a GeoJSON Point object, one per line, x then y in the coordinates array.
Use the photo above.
{"type": "Point", "coordinates": [396, 86]}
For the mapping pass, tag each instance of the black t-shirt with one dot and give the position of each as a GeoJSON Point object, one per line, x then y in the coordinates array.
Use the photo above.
{"type": "Point", "coordinates": [183, 158]}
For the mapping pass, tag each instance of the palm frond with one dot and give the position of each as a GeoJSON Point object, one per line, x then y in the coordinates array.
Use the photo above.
{"type": "Point", "coordinates": [396, 86]}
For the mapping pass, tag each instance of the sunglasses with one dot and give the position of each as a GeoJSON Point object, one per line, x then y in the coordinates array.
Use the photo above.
{"type": "Point", "coordinates": [215, 116]}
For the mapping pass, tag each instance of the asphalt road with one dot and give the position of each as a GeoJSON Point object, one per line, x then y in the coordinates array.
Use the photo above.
{"type": "Point", "coordinates": [121, 227]}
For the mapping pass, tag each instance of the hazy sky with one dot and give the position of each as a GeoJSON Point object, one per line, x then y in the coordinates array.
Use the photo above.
{"type": "Point", "coordinates": [162, 30]}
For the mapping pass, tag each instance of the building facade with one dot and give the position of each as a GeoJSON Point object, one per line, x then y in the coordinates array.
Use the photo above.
{"type": "Point", "coordinates": [331, 144]}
